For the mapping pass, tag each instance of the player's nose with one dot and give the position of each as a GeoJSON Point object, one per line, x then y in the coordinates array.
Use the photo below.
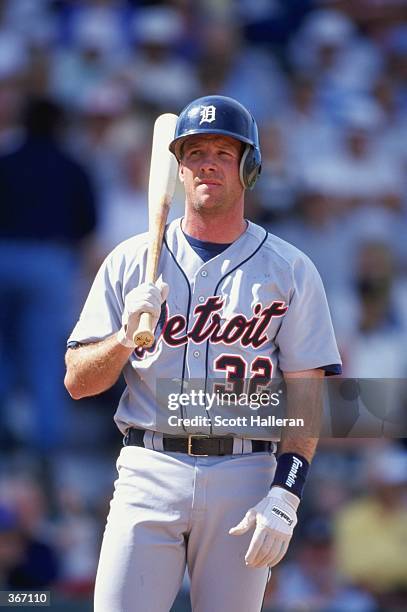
{"type": "Point", "coordinates": [208, 162]}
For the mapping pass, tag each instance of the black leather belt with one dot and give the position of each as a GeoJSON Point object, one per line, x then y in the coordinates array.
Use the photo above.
{"type": "Point", "coordinates": [196, 446]}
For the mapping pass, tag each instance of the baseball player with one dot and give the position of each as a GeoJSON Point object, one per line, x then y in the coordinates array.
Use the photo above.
{"type": "Point", "coordinates": [235, 304]}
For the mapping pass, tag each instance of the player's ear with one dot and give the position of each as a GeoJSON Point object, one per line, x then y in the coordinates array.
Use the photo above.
{"type": "Point", "coordinates": [181, 172]}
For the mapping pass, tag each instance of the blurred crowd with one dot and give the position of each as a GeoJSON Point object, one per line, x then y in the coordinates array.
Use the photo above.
{"type": "Point", "coordinates": [81, 83]}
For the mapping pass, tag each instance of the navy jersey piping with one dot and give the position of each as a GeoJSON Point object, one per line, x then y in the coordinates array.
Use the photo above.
{"type": "Point", "coordinates": [188, 314]}
{"type": "Point", "coordinates": [241, 263]}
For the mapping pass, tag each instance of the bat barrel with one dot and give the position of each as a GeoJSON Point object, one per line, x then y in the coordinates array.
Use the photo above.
{"type": "Point", "coordinates": [161, 187]}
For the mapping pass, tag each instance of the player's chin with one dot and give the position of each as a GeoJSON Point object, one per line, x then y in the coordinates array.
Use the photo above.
{"type": "Point", "coordinates": [207, 202]}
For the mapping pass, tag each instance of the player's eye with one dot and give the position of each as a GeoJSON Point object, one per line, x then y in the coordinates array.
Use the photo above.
{"type": "Point", "coordinates": [225, 153]}
{"type": "Point", "coordinates": [193, 153]}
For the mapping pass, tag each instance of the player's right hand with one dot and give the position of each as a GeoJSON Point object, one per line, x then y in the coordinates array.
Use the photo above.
{"type": "Point", "coordinates": [147, 297]}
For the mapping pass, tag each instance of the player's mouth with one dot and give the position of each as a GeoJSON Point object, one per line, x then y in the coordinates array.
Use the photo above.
{"type": "Point", "coordinates": [209, 182]}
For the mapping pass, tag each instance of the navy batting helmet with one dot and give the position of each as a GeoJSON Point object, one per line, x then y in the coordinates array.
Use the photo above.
{"type": "Point", "coordinates": [222, 115]}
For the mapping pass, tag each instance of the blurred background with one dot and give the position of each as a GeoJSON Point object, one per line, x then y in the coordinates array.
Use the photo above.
{"type": "Point", "coordinates": [81, 83]}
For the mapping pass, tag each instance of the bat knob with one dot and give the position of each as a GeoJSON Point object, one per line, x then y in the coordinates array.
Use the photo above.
{"type": "Point", "coordinates": [143, 339]}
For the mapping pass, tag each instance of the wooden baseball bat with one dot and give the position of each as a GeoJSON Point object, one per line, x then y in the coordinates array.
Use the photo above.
{"type": "Point", "coordinates": [161, 187]}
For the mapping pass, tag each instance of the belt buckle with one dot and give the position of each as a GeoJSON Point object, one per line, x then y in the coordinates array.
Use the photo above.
{"type": "Point", "coordinates": [190, 453]}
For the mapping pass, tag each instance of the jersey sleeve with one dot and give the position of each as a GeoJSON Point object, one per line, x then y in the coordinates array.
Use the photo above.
{"type": "Point", "coordinates": [306, 338]}
{"type": "Point", "coordinates": [102, 311]}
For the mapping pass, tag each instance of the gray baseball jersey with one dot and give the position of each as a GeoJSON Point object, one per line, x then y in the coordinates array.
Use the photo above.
{"type": "Point", "coordinates": [255, 310]}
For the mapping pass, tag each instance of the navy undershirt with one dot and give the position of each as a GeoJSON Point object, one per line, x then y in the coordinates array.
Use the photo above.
{"type": "Point", "coordinates": [206, 250]}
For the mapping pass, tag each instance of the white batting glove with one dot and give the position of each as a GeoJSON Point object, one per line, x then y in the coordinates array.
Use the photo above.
{"type": "Point", "coordinates": [274, 519]}
{"type": "Point", "coordinates": [147, 297]}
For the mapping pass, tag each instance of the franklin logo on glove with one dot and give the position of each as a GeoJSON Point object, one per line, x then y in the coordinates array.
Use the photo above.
{"type": "Point", "coordinates": [282, 515]}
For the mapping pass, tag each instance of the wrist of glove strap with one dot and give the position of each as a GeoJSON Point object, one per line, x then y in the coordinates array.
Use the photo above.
{"type": "Point", "coordinates": [122, 339]}
{"type": "Point", "coordinates": [277, 493]}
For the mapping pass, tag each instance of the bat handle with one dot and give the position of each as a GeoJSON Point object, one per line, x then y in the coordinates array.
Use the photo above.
{"type": "Point", "coordinates": [144, 334]}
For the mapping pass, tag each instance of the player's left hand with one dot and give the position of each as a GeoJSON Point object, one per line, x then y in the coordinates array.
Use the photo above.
{"type": "Point", "coordinates": [274, 519]}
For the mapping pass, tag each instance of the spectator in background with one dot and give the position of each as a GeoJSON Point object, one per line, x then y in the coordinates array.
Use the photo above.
{"type": "Point", "coordinates": [371, 321]}
{"type": "Point", "coordinates": [279, 179]}
{"type": "Point", "coordinates": [124, 208]}
{"type": "Point", "coordinates": [232, 68]}
{"type": "Point", "coordinates": [343, 62]}
{"type": "Point", "coordinates": [13, 65]}
{"type": "Point", "coordinates": [157, 75]}
{"type": "Point", "coordinates": [306, 128]}
{"type": "Point", "coordinates": [27, 18]}
{"type": "Point", "coordinates": [78, 543]}
{"type": "Point", "coordinates": [10, 544]}
{"type": "Point", "coordinates": [92, 57]}
{"type": "Point", "coordinates": [47, 211]}
{"type": "Point", "coordinates": [366, 182]}
{"type": "Point", "coordinates": [109, 16]}
{"type": "Point", "coordinates": [311, 581]}
{"type": "Point", "coordinates": [371, 532]}
{"type": "Point", "coordinates": [396, 56]}
{"type": "Point", "coordinates": [393, 141]}
{"type": "Point", "coordinates": [393, 146]}
{"type": "Point", "coordinates": [26, 561]}
{"type": "Point", "coordinates": [371, 326]}
{"type": "Point", "coordinates": [100, 110]}
{"type": "Point", "coordinates": [357, 172]}
{"type": "Point", "coordinates": [316, 228]}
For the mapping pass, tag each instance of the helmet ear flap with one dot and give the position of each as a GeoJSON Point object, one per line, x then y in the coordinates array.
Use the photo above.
{"type": "Point", "coordinates": [250, 167]}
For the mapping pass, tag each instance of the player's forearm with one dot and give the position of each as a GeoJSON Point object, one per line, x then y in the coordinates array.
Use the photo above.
{"type": "Point", "coordinates": [304, 401]}
{"type": "Point", "coordinates": [94, 368]}
{"type": "Point", "coordinates": [301, 446]}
